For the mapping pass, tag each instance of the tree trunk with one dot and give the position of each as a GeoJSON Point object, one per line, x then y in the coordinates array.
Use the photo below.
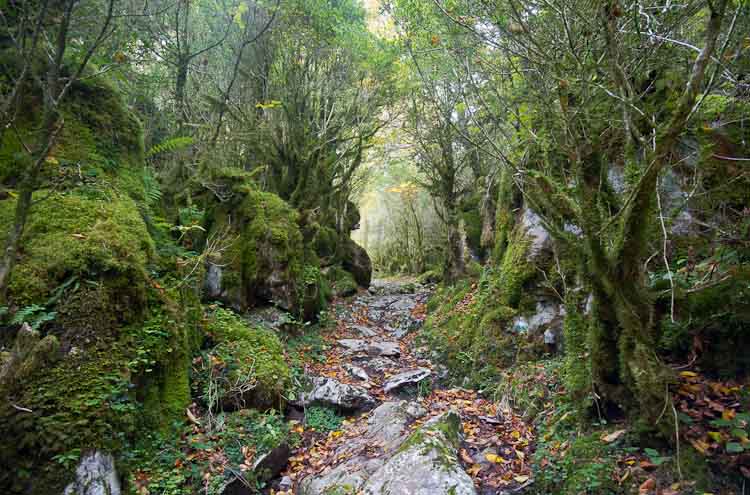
{"type": "Point", "coordinates": [454, 264]}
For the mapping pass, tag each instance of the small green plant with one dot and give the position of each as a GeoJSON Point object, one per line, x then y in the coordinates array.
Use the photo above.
{"type": "Point", "coordinates": [736, 432]}
{"type": "Point", "coordinates": [34, 314]}
{"type": "Point", "coordinates": [655, 457]}
{"type": "Point", "coordinates": [68, 459]}
{"type": "Point", "coordinates": [323, 418]}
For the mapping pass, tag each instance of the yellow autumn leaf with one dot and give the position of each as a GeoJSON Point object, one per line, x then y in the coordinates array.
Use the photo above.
{"type": "Point", "coordinates": [516, 434]}
{"type": "Point", "coordinates": [521, 478]}
{"type": "Point", "coordinates": [715, 436]}
{"type": "Point", "coordinates": [336, 434]}
{"type": "Point", "coordinates": [688, 374]}
{"type": "Point", "coordinates": [494, 458]}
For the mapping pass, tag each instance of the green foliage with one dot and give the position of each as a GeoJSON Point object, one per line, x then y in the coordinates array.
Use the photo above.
{"type": "Point", "coordinates": [170, 145]}
{"type": "Point", "coordinates": [35, 315]}
{"type": "Point", "coordinates": [72, 234]}
{"type": "Point", "coordinates": [177, 464]}
{"type": "Point", "coordinates": [322, 419]}
{"type": "Point", "coordinates": [246, 367]}
{"type": "Point", "coordinates": [586, 466]}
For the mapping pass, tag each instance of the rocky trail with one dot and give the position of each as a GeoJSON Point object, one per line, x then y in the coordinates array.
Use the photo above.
{"type": "Point", "coordinates": [404, 433]}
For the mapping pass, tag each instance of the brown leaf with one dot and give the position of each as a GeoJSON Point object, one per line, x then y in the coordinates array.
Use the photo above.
{"type": "Point", "coordinates": [612, 437]}
{"type": "Point", "coordinates": [647, 486]}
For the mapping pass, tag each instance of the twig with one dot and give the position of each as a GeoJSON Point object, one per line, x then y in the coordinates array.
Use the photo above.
{"type": "Point", "coordinates": [677, 440]}
{"type": "Point", "coordinates": [664, 252]}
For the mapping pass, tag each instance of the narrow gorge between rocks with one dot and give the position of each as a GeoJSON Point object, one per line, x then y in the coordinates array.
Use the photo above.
{"type": "Point", "coordinates": [418, 437]}
{"type": "Point", "coordinates": [374, 247]}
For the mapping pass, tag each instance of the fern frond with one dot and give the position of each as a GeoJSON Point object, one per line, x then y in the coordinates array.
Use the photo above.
{"type": "Point", "coordinates": [170, 145]}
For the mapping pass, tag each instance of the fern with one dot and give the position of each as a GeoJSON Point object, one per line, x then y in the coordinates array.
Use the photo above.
{"type": "Point", "coordinates": [152, 187]}
{"type": "Point", "coordinates": [35, 315]}
{"type": "Point", "coordinates": [170, 145]}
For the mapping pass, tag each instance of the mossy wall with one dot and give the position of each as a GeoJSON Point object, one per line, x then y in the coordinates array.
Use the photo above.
{"type": "Point", "coordinates": [100, 142]}
{"type": "Point", "coordinates": [267, 260]}
{"type": "Point", "coordinates": [113, 360]}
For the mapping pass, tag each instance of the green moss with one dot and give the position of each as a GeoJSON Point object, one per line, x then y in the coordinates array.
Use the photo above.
{"type": "Point", "coordinates": [71, 235]}
{"type": "Point", "coordinates": [101, 140]}
{"type": "Point", "coordinates": [82, 402]}
{"type": "Point", "coordinates": [246, 355]}
{"type": "Point", "coordinates": [515, 270]}
{"type": "Point", "coordinates": [441, 436]}
{"type": "Point", "coordinates": [341, 281]}
{"type": "Point", "coordinates": [577, 371]}
{"type": "Point", "coordinates": [268, 260]}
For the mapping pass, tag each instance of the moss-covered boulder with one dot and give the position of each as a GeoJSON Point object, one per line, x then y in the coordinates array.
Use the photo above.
{"type": "Point", "coordinates": [246, 367]}
{"type": "Point", "coordinates": [356, 261]}
{"type": "Point", "coordinates": [81, 236]}
{"type": "Point", "coordinates": [99, 144]}
{"type": "Point", "coordinates": [342, 282]}
{"type": "Point", "coordinates": [266, 261]}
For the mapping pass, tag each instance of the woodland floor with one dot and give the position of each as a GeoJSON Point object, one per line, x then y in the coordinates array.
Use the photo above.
{"type": "Point", "coordinates": [496, 446]}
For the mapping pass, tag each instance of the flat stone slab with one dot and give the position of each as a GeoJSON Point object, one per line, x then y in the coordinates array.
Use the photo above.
{"type": "Point", "coordinates": [364, 331]}
{"type": "Point", "coordinates": [354, 345]}
{"type": "Point", "coordinates": [357, 372]}
{"type": "Point", "coordinates": [385, 349]}
{"type": "Point", "coordinates": [411, 377]}
{"type": "Point", "coordinates": [426, 463]}
{"type": "Point", "coordinates": [330, 392]}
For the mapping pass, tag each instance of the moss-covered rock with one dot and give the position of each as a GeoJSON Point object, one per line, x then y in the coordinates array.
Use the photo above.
{"type": "Point", "coordinates": [356, 261]}
{"type": "Point", "coordinates": [267, 261]}
{"type": "Point", "coordinates": [245, 368]}
{"type": "Point", "coordinates": [89, 238]}
{"type": "Point", "coordinates": [342, 282]}
{"type": "Point", "coordinates": [100, 142]}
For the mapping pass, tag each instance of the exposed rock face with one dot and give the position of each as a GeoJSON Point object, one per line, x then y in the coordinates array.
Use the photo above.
{"type": "Point", "coordinates": [95, 475]}
{"type": "Point", "coordinates": [354, 345]}
{"type": "Point", "coordinates": [329, 392]}
{"type": "Point", "coordinates": [386, 427]}
{"type": "Point", "coordinates": [365, 332]}
{"type": "Point", "coordinates": [548, 314]}
{"type": "Point", "coordinates": [536, 233]}
{"type": "Point", "coordinates": [385, 349]}
{"type": "Point", "coordinates": [358, 263]}
{"type": "Point", "coordinates": [357, 372]}
{"type": "Point", "coordinates": [406, 378]}
{"type": "Point", "coordinates": [426, 463]}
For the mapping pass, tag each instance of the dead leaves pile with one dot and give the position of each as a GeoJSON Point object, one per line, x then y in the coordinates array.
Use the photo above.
{"type": "Point", "coordinates": [713, 420]}
{"type": "Point", "coordinates": [497, 447]}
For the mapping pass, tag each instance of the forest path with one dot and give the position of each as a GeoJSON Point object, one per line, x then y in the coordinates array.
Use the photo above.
{"type": "Point", "coordinates": [404, 432]}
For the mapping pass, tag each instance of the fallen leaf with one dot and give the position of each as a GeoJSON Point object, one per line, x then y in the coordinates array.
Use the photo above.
{"type": "Point", "coordinates": [612, 437]}
{"type": "Point", "coordinates": [647, 486]}
{"type": "Point", "coordinates": [494, 458]}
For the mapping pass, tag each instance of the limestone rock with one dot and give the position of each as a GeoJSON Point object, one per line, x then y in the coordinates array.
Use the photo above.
{"type": "Point", "coordinates": [357, 372]}
{"type": "Point", "coordinates": [358, 263]}
{"type": "Point", "coordinates": [353, 345]}
{"type": "Point", "coordinates": [411, 377]}
{"type": "Point", "coordinates": [385, 349]}
{"type": "Point", "coordinates": [364, 331]}
{"type": "Point", "coordinates": [425, 464]}
{"type": "Point", "coordinates": [536, 233]}
{"type": "Point", "coordinates": [386, 426]}
{"type": "Point", "coordinates": [330, 392]}
{"type": "Point", "coordinates": [95, 475]}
